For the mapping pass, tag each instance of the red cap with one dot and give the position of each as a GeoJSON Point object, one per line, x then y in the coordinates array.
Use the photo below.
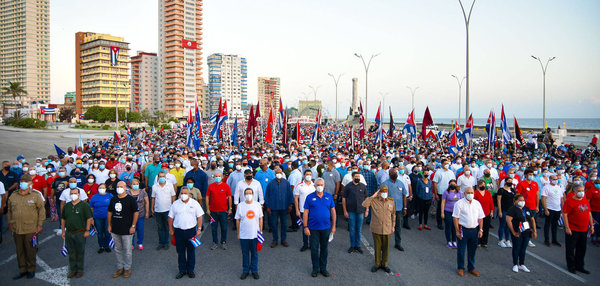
{"type": "Point", "coordinates": [165, 165]}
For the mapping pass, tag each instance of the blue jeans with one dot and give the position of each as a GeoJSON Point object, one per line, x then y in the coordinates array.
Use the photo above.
{"type": "Point", "coordinates": [139, 229]}
{"type": "Point", "coordinates": [280, 215]}
{"type": "Point", "coordinates": [596, 217]}
{"type": "Point", "coordinates": [249, 255]}
{"type": "Point", "coordinates": [519, 247]}
{"type": "Point", "coordinates": [186, 255]}
{"type": "Point", "coordinates": [355, 221]}
{"type": "Point", "coordinates": [503, 231]}
{"type": "Point", "coordinates": [468, 243]}
{"type": "Point", "coordinates": [319, 239]}
{"type": "Point", "coordinates": [102, 229]}
{"type": "Point", "coordinates": [449, 230]}
{"type": "Point", "coordinates": [162, 225]}
{"type": "Point", "coordinates": [220, 219]}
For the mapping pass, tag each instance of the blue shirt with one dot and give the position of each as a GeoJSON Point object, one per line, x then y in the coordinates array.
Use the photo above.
{"type": "Point", "coordinates": [342, 171]}
{"type": "Point", "coordinates": [127, 177]}
{"type": "Point", "coordinates": [319, 215]}
{"type": "Point", "coordinates": [396, 190]}
{"type": "Point", "coordinates": [424, 191]}
{"type": "Point", "coordinates": [100, 205]}
{"type": "Point", "coordinates": [151, 173]}
{"type": "Point", "coordinates": [264, 177]}
{"type": "Point", "coordinates": [278, 195]}
{"type": "Point", "coordinates": [371, 181]}
{"type": "Point", "coordinates": [200, 180]}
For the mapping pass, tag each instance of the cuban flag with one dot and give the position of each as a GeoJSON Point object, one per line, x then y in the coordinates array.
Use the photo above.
{"type": "Point", "coordinates": [93, 231]}
{"type": "Point", "coordinates": [490, 127]}
{"type": "Point", "coordinates": [315, 134]}
{"type": "Point", "coordinates": [111, 242]}
{"type": "Point", "coordinates": [212, 220]}
{"type": "Point", "coordinates": [410, 126]}
{"type": "Point", "coordinates": [80, 116]}
{"type": "Point", "coordinates": [63, 250]}
{"type": "Point", "coordinates": [213, 118]}
{"type": "Point", "coordinates": [392, 126]}
{"type": "Point", "coordinates": [260, 239]}
{"type": "Point", "coordinates": [379, 134]}
{"type": "Point", "coordinates": [34, 240]}
{"type": "Point", "coordinates": [505, 131]}
{"type": "Point", "coordinates": [299, 222]}
{"type": "Point", "coordinates": [114, 53]}
{"type": "Point", "coordinates": [216, 131]}
{"type": "Point", "coordinates": [453, 148]}
{"type": "Point", "coordinates": [195, 242]}
{"type": "Point", "coordinates": [468, 132]}
{"type": "Point", "coordinates": [117, 139]}
{"type": "Point", "coordinates": [280, 121]}
{"type": "Point", "coordinates": [48, 111]}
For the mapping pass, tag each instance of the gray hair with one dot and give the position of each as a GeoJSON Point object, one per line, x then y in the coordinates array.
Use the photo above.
{"type": "Point", "coordinates": [319, 180]}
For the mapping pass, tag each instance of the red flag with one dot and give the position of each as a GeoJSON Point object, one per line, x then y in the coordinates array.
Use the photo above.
{"type": "Point", "coordinates": [427, 120]}
{"type": "Point", "coordinates": [269, 137]}
{"type": "Point", "coordinates": [250, 127]}
{"type": "Point", "coordinates": [362, 123]}
{"type": "Point", "coordinates": [518, 135]}
{"type": "Point", "coordinates": [257, 113]}
{"type": "Point", "coordinates": [117, 137]}
{"type": "Point", "coordinates": [285, 127]}
{"type": "Point", "coordinates": [189, 44]}
{"type": "Point", "coordinates": [298, 133]}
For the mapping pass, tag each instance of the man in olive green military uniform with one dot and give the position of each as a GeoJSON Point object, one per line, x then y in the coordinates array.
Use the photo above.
{"type": "Point", "coordinates": [383, 222]}
{"type": "Point", "coordinates": [26, 214]}
{"type": "Point", "coordinates": [76, 222]}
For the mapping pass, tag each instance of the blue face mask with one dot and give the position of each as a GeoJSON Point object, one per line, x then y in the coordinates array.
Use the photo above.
{"type": "Point", "coordinates": [135, 187]}
{"type": "Point", "coordinates": [122, 161]}
{"type": "Point", "coordinates": [78, 165]}
{"type": "Point", "coordinates": [61, 174]}
{"type": "Point", "coordinates": [230, 165]}
{"type": "Point", "coordinates": [401, 172]}
{"type": "Point", "coordinates": [24, 185]}
{"type": "Point", "coordinates": [72, 185]}
{"type": "Point", "coordinates": [102, 167]}
{"type": "Point", "coordinates": [597, 186]}
{"type": "Point", "coordinates": [218, 179]}
{"type": "Point", "coordinates": [162, 180]}
{"type": "Point", "coordinates": [530, 177]}
{"type": "Point", "coordinates": [46, 163]}
{"type": "Point", "coordinates": [190, 186]}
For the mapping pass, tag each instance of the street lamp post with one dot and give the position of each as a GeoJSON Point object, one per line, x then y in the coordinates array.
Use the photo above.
{"type": "Point", "coordinates": [459, 94]}
{"type": "Point", "coordinates": [315, 89]}
{"type": "Point", "coordinates": [467, 20]}
{"type": "Point", "coordinates": [383, 95]}
{"type": "Point", "coordinates": [544, 69]}
{"type": "Point", "coordinates": [412, 91]}
{"type": "Point", "coordinates": [336, 81]}
{"type": "Point", "coordinates": [366, 65]}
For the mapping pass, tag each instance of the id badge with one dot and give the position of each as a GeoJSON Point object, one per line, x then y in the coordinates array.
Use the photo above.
{"type": "Point", "coordinates": [525, 226]}
{"type": "Point", "coordinates": [427, 190]}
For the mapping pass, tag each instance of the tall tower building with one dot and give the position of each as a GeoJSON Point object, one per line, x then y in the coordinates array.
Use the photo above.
{"type": "Point", "coordinates": [268, 95]}
{"type": "Point", "coordinates": [144, 82]}
{"type": "Point", "coordinates": [180, 55]}
{"type": "Point", "coordinates": [227, 79]}
{"type": "Point", "coordinates": [96, 81]}
{"type": "Point", "coordinates": [25, 47]}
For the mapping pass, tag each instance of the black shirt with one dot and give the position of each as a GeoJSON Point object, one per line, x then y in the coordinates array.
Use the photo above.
{"type": "Point", "coordinates": [122, 210]}
{"type": "Point", "coordinates": [59, 185]}
{"type": "Point", "coordinates": [111, 186]}
{"type": "Point", "coordinates": [518, 217]}
{"type": "Point", "coordinates": [355, 195]}
{"type": "Point", "coordinates": [507, 198]}
{"type": "Point", "coordinates": [8, 180]}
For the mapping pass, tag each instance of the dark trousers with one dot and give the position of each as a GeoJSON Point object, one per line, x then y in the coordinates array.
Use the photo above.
{"type": "Point", "coordinates": [519, 248]}
{"type": "Point", "coordinates": [468, 243]}
{"type": "Point", "coordinates": [304, 236]}
{"type": "Point", "coordinates": [398, 230]}
{"type": "Point", "coordinates": [319, 240]}
{"type": "Point", "coordinates": [486, 230]}
{"type": "Point", "coordinates": [162, 225]}
{"type": "Point", "coordinates": [103, 234]}
{"type": "Point", "coordinates": [575, 249]}
{"type": "Point", "coordinates": [75, 243]}
{"type": "Point", "coordinates": [423, 210]}
{"type": "Point", "coordinates": [551, 222]}
{"type": "Point", "coordinates": [596, 217]}
{"type": "Point", "coordinates": [277, 217]}
{"type": "Point", "coordinates": [186, 255]}
{"type": "Point", "coordinates": [438, 212]}
{"type": "Point", "coordinates": [220, 219]}
{"type": "Point", "coordinates": [293, 219]}
{"type": "Point", "coordinates": [25, 252]}
{"type": "Point", "coordinates": [409, 212]}
{"type": "Point", "coordinates": [449, 230]}
{"type": "Point", "coordinates": [249, 255]}
{"type": "Point", "coordinates": [381, 243]}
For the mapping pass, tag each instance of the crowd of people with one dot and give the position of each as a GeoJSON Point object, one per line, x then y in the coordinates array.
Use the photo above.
{"type": "Point", "coordinates": [111, 188]}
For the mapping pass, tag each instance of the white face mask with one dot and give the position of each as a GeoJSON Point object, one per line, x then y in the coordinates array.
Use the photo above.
{"type": "Point", "coordinates": [112, 176]}
{"type": "Point", "coordinates": [521, 203]}
{"type": "Point", "coordinates": [120, 191]}
{"type": "Point", "coordinates": [184, 197]}
{"type": "Point", "coordinates": [580, 194]}
{"type": "Point", "coordinates": [384, 195]}
{"type": "Point", "coordinates": [177, 165]}
{"type": "Point", "coordinates": [25, 169]}
{"type": "Point", "coordinates": [32, 172]}
{"type": "Point", "coordinates": [489, 165]}
{"type": "Point", "coordinates": [467, 173]}
{"type": "Point", "coordinates": [279, 176]}
{"type": "Point", "coordinates": [248, 197]}
{"type": "Point", "coordinates": [90, 181]}
{"type": "Point", "coordinates": [469, 197]}
{"type": "Point", "coordinates": [102, 191]}
{"type": "Point", "coordinates": [238, 167]}
{"type": "Point", "coordinates": [308, 178]}
{"type": "Point", "coordinates": [320, 189]}
{"type": "Point", "coordinates": [74, 197]}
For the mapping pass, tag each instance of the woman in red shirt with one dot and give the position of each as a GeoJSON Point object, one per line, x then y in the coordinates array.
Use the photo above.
{"type": "Point", "coordinates": [593, 195]}
{"type": "Point", "coordinates": [487, 204]}
{"type": "Point", "coordinates": [91, 187]}
{"type": "Point", "coordinates": [578, 220]}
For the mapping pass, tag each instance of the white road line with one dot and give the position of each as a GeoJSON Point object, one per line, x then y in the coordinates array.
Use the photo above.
{"type": "Point", "coordinates": [372, 251]}
{"type": "Point", "coordinates": [10, 258]}
{"type": "Point", "coordinates": [561, 269]}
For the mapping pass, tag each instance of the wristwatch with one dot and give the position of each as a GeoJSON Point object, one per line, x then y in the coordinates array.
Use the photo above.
{"type": "Point", "coordinates": [133, 225]}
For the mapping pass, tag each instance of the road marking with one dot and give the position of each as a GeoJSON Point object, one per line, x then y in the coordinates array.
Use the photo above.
{"type": "Point", "coordinates": [56, 276]}
{"type": "Point", "coordinates": [10, 258]}
{"type": "Point", "coordinates": [372, 251]}
{"type": "Point", "coordinates": [561, 269]}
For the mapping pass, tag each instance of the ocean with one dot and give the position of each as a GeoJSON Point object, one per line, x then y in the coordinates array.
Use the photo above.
{"type": "Point", "coordinates": [524, 123]}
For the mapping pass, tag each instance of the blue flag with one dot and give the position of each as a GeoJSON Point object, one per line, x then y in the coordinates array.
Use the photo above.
{"type": "Point", "coordinates": [59, 151]}
{"type": "Point", "coordinates": [111, 242]}
{"type": "Point", "coordinates": [63, 250]}
{"type": "Point", "coordinates": [234, 133]}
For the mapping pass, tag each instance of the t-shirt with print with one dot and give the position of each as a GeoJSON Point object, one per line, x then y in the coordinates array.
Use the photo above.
{"type": "Point", "coordinates": [248, 214]}
{"type": "Point", "coordinates": [122, 210]}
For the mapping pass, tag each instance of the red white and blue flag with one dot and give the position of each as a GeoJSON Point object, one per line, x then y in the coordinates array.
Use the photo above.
{"type": "Point", "coordinates": [490, 127]}
{"type": "Point", "coordinates": [216, 131]}
{"type": "Point", "coordinates": [361, 133]}
{"type": "Point", "coordinates": [197, 129]}
{"type": "Point", "coordinates": [468, 132]}
{"type": "Point", "coordinates": [260, 239]}
{"type": "Point", "coordinates": [504, 127]}
{"type": "Point", "coordinates": [48, 111]}
{"type": "Point", "coordinates": [117, 139]}
{"type": "Point", "coordinates": [453, 148]}
{"type": "Point", "coordinates": [80, 116]}
{"type": "Point", "coordinates": [315, 135]}
{"type": "Point", "coordinates": [378, 121]}
{"type": "Point", "coordinates": [280, 121]}
{"type": "Point", "coordinates": [410, 126]}
{"type": "Point", "coordinates": [195, 242]}
{"type": "Point", "coordinates": [63, 250]}
{"type": "Point", "coordinates": [114, 54]}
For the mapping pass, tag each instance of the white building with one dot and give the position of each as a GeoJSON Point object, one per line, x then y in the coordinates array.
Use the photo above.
{"type": "Point", "coordinates": [144, 82]}
{"type": "Point", "coordinates": [227, 79]}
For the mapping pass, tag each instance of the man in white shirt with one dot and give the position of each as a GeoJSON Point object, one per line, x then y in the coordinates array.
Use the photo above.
{"type": "Point", "coordinates": [248, 182]}
{"type": "Point", "coordinates": [440, 184]}
{"type": "Point", "coordinates": [468, 221]}
{"type": "Point", "coordinates": [488, 165]}
{"type": "Point", "coordinates": [552, 201]}
{"type": "Point", "coordinates": [457, 165]}
{"type": "Point", "coordinates": [171, 179]}
{"type": "Point", "coordinates": [249, 221]}
{"type": "Point", "coordinates": [301, 191]}
{"type": "Point", "coordinates": [295, 178]}
{"type": "Point", "coordinates": [348, 178]}
{"type": "Point", "coordinates": [65, 196]}
{"type": "Point", "coordinates": [185, 222]}
{"type": "Point", "coordinates": [163, 196]}
{"type": "Point", "coordinates": [466, 179]}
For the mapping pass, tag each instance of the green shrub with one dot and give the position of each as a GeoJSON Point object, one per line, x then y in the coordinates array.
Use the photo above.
{"type": "Point", "coordinates": [105, 127]}
{"type": "Point", "coordinates": [165, 127]}
{"type": "Point", "coordinates": [29, 123]}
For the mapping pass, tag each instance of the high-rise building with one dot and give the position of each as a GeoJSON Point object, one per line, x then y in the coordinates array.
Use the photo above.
{"type": "Point", "coordinates": [25, 47]}
{"type": "Point", "coordinates": [96, 81]}
{"type": "Point", "coordinates": [179, 68]}
{"type": "Point", "coordinates": [144, 82]}
{"type": "Point", "coordinates": [268, 95]}
{"type": "Point", "coordinates": [227, 79]}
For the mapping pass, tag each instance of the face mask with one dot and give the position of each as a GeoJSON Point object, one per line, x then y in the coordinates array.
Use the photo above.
{"type": "Point", "coordinates": [521, 204]}
{"type": "Point", "coordinates": [469, 197]}
{"type": "Point", "coordinates": [90, 181]}
{"type": "Point", "coordinates": [32, 172]}
{"type": "Point", "coordinates": [77, 173]}
{"type": "Point", "coordinates": [78, 165]}
{"type": "Point", "coordinates": [72, 185]}
{"type": "Point", "coordinates": [508, 184]}
{"type": "Point", "coordinates": [185, 197]}
{"type": "Point", "coordinates": [511, 175]}
{"type": "Point", "coordinates": [452, 187]}
{"type": "Point", "coordinates": [384, 195]}
{"type": "Point", "coordinates": [102, 167]}
{"type": "Point", "coordinates": [320, 189]}
{"type": "Point", "coordinates": [308, 178]}
{"type": "Point", "coordinates": [218, 179]}
{"type": "Point", "coordinates": [46, 163]}
{"type": "Point", "coordinates": [177, 165]}
{"type": "Point", "coordinates": [248, 197]}
{"type": "Point", "coordinates": [488, 165]}
{"type": "Point", "coordinates": [122, 161]}
{"type": "Point", "coordinates": [120, 190]}
{"type": "Point", "coordinates": [481, 188]}
{"type": "Point", "coordinates": [102, 191]}
{"type": "Point", "coordinates": [356, 180]}
{"type": "Point", "coordinates": [162, 180]}
{"type": "Point", "coordinates": [446, 166]}
{"type": "Point", "coordinates": [468, 173]}
{"type": "Point", "coordinates": [401, 172]}
{"type": "Point", "coordinates": [74, 197]}
{"type": "Point", "coordinates": [248, 178]}
{"type": "Point", "coordinates": [135, 187]}
{"type": "Point", "coordinates": [238, 167]}
{"type": "Point", "coordinates": [96, 165]}
{"type": "Point", "coordinates": [394, 177]}
{"type": "Point", "coordinates": [580, 194]}
{"type": "Point", "coordinates": [112, 176]}
{"type": "Point", "coordinates": [53, 174]}
{"type": "Point", "coordinates": [279, 176]}
{"type": "Point", "coordinates": [190, 185]}
{"type": "Point", "coordinates": [62, 174]}
{"type": "Point", "coordinates": [597, 186]}
{"type": "Point", "coordinates": [25, 169]}
{"type": "Point", "coordinates": [530, 178]}
{"type": "Point", "coordinates": [554, 182]}
{"type": "Point", "coordinates": [24, 185]}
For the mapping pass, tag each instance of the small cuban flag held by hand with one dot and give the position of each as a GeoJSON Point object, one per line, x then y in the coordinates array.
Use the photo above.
{"type": "Point", "coordinates": [34, 240]}
{"type": "Point", "coordinates": [299, 222]}
{"type": "Point", "coordinates": [111, 242]}
{"type": "Point", "coordinates": [63, 250]}
{"type": "Point", "coordinates": [261, 239]}
{"type": "Point", "coordinates": [212, 220]}
{"type": "Point", "coordinates": [93, 231]}
{"type": "Point", "coordinates": [195, 242]}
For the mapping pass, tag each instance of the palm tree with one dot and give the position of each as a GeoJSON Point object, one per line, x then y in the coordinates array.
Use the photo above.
{"type": "Point", "coordinates": [16, 90]}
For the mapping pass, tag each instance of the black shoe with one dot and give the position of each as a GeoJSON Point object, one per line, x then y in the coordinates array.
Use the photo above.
{"type": "Point", "coordinates": [20, 275]}
{"type": "Point", "coordinates": [159, 247]}
{"type": "Point", "coordinates": [584, 271]}
{"type": "Point", "coordinates": [32, 274]}
{"type": "Point", "coordinates": [387, 269]}
{"type": "Point", "coordinates": [359, 250]}
{"type": "Point", "coordinates": [326, 273]}
{"type": "Point", "coordinates": [244, 276]}
{"type": "Point", "coordinates": [406, 227]}
{"type": "Point", "coordinates": [107, 250]}
{"type": "Point", "coordinates": [374, 269]}
{"type": "Point", "coordinates": [314, 274]}
{"type": "Point", "coordinates": [351, 249]}
{"type": "Point", "coordinates": [191, 274]}
{"type": "Point", "coordinates": [440, 226]}
{"type": "Point", "coordinates": [572, 271]}
{"type": "Point", "coordinates": [399, 247]}
{"type": "Point", "coordinates": [368, 222]}
{"type": "Point", "coordinates": [292, 230]}
{"type": "Point", "coordinates": [255, 276]}
{"type": "Point", "coordinates": [179, 275]}
{"type": "Point", "coordinates": [166, 247]}
{"type": "Point", "coordinates": [100, 250]}
{"type": "Point", "coordinates": [303, 248]}
{"type": "Point", "coordinates": [547, 243]}
{"type": "Point", "coordinates": [557, 243]}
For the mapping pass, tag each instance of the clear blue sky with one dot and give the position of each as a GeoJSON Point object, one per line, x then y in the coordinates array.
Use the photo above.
{"type": "Point", "coordinates": [421, 44]}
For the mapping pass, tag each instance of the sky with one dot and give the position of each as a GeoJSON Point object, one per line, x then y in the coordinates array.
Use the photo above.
{"type": "Point", "coordinates": [420, 43]}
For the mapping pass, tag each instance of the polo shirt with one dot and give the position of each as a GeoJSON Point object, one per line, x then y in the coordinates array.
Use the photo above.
{"type": "Point", "coordinates": [578, 213]}
{"type": "Point", "coordinates": [9, 179]}
{"type": "Point", "coordinates": [218, 194]}
{"type": "Point", "coordinates": [302, 190]}
{"type": "Point", "coordinates": [355, 195]}
{"type": "Point", "coordinates": [100, 205]}
{"type": "Point", "coordinates": [530, 192]}
{"type": "Point", "coordinates": [162, 197]}
{"type": "Point", "coordinates": [442, 179]}
{"type": "Point", "coordinates": [331, 178]}
{"type": "Point", "coordinates": [151, 173]}
{"type": "Point", "coordinates": [295, 177]}
{"type": "Point", "coordinates": [76, 216]}
{"type": "Point", "coordinates": [185, 214]}
{"type": "Point", "coordinates": [468, 213]}
{"type": "Point", "coordinates": [264, 177]}
{"type": "Point", "coordinates": [553, 194]}
{"type": "Point", "coordinates": [319, 216]}
{"type": "Point", "coordinates": [278, 195]}
{"type": "Point", "coordinates": [178, 175]}
{"type": "Point", "coordinates": [396, 190]}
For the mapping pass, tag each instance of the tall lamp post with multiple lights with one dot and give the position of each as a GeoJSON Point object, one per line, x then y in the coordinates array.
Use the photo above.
{"type": "Point", "coordinates": [366, 65]}
{"type": "Point", "coordinates": [467, 18]}
{"type": "Point", "coordinates": [544, 69]}
{"type": "Point", "coordinates": [336, 81]}
{"type": "Point", "coordinates": [460, 82]}
{"type": "Point", "coordinates": [412, 91]}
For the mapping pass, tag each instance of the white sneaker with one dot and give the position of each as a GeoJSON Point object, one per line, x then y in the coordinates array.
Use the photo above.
{"type": "Point", "coordinates": [508, 244]}
{"type": "Point", "coordinates": [524, 268]}
{"type": "Point", "coordinates": [454, 244]}
{"type": "Point", "coordinates": [531, 244]}
{"type": "Point", "coordinates": [502, 244]}
{"type": "Point", "coordinates": [516, 269]}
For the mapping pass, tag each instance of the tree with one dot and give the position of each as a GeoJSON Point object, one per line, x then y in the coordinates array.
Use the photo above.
{"type": "Point", "coordinates": [162, 115]}
{"type": "Point", "coordinates": [134, 117]}
{"type": "Point", "coordinates": [15, 90]}
{"type": "Point", "coordinates": [146, 116]}
{"type": "Point", "coordinates": [66, 114]}
{"type": "Point", "coordinates": [93, 112]}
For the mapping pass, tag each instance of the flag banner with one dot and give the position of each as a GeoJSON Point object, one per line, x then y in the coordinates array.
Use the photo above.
{"type": "Point", "coordinates": [59, 151]}
{"type": "Point", "coordinates": [299, 222]}
{"type": "Point", "coordinates": [111, 243]}
{"type": "Point", "coordinates": [361, 122]}
{"type": "Point", "coordinates": [468, 132]}
{"type": "Point", "coordinates": [188, 44]}
{"type": "Point", "coordinates": [427, 120]}
{"type": "Point", "coordinates": [490, 127]}
{"type": "Point", "coordinates": [80, 116]}
{"type": "Point", "coordinates": [269, 135]}
{"type": "Point", "coordinates": [195, 241]}
{"type": "Point", "coordinates": [93, 231]}
{"type": "Point", "coordinates": [410, 126]}
{"type": "Point", "coordinates": [392, 126]}
{"type": "Point", "coordinates": [63, 250]}
{"type": "Point", "coordinates": [212, 220]}
{"type": "Point", "coordinates": [234, 134]}
{"type": "Point", "coordinates": [34, 240]}
{"type": "Point", "coordinates": [379, 125]}
{"type": "Point", "coordinates": [114, 54]}
{"type": "Point", "coordinates": [260, 239]}
{"type": "Point", "coordinates": [47, 111]}
{"type": "Point", "coordinates": [504, 127]}
{"type": "Point", "coordinates": [520, 141]}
